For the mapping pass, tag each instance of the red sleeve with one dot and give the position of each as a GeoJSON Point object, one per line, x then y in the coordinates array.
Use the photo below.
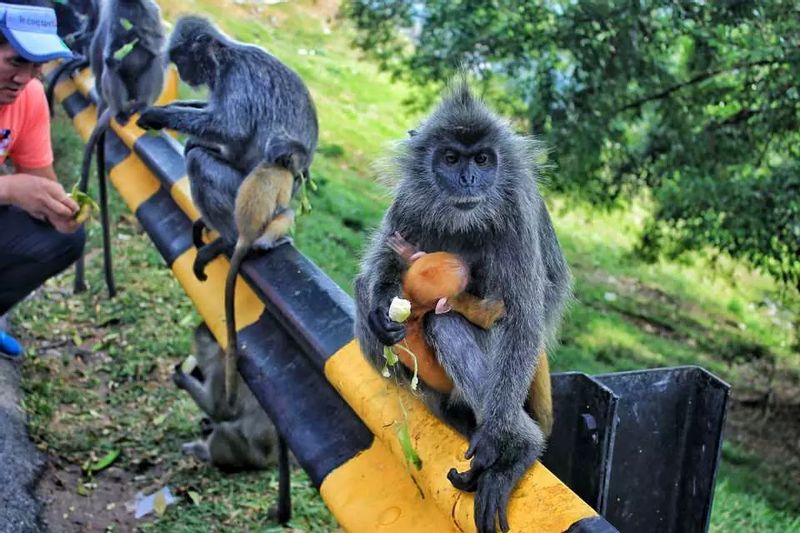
{"type": "Point", "coordinates": [32, 148]}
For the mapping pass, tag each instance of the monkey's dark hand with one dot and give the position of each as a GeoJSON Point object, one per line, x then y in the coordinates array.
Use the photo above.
{"type": "Point", "coordinates": [387, 330]}
{"type": "Point", "coordinates": [179, 377]}
{"type": "Point", "coordinates": [153, 118]}
{"type": "Point", "coordinates": [500, 453]}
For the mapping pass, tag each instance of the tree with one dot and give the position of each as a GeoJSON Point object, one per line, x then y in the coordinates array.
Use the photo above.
{"type": "Point", "coordinates": [697, 102]}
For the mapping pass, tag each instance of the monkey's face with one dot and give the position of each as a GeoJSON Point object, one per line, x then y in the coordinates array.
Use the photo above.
{"type": "Point", "coordinates": [190, 69]}
{"type": "Point", "coordinates": [190, 48]}
{"type": "Point", "coordinates": [464, 174]}
{"type": "Point", "coordinates": [463, 167]}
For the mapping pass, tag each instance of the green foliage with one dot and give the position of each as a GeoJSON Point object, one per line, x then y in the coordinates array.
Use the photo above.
{"type": "Point", "coordinates": [697, 101]}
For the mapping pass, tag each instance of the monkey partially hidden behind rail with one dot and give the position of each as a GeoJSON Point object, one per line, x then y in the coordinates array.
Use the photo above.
{"type": "Point", "coordinates": [127, 60]}
{"type": "Point", "coordinates": [255, 103]}
{"type": "Point", "coordinates": [237, 436]}
{"type": "Point", "coordinates": [84, 14]}
{"type": "Point", "coordinates": [468, 186]}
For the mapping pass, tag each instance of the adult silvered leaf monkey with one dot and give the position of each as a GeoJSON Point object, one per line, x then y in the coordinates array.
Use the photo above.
{"type": "Point", "coordinates": [255, 104]}
{"type": "Point", "coordinates": [468, 186]}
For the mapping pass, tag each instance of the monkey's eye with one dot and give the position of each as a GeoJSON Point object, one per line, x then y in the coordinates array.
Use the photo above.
{"type": "Point", "coordinates": [450, 157]}
{"type": "Point", "coordinates": [481, 158]}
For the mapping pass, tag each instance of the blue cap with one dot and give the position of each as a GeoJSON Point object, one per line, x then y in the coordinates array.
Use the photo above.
{"type": "Point", "coordinates": [32, 32]}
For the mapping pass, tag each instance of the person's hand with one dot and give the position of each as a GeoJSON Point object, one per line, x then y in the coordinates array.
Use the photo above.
{"type": "Point", "coordinates": [45, 199]}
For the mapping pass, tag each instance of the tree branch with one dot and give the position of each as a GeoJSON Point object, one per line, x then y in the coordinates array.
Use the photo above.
{"type": "Point", "coordinates": [698, 79]}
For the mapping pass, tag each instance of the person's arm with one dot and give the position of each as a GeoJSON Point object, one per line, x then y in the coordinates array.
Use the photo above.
{"type": "Point", "coordinates": [34, 186]}
{"type": "Point", "coordinates": [45, 172]}
{"type": "Point", "coordinates": [42, 198]}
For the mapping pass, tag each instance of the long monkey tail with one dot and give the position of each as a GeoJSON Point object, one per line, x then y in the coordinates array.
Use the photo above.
{"type": "Point", "coordinates": [67, 66]}
{"type": "Point", "coordinates": [232, 350]}
{"type": "Point", "coordinates": [540, 396]}
{"type": "Point", "coordinates": [103, 122]}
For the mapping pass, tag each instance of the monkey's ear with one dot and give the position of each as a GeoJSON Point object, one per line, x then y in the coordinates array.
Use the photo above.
{"type": "Point", "coordinates": [412, 133]}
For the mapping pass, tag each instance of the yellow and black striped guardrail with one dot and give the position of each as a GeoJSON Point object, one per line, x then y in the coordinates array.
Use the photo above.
{"type": "Point", "coordinates": [301, 361]}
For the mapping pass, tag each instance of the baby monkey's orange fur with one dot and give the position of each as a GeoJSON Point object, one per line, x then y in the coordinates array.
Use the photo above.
{"type": "Point", "coordinates": [262, 217]}
{"type": "Point", "coordinates": [437, 276]}
{"type": "Point", "coordinates": [431, 278]}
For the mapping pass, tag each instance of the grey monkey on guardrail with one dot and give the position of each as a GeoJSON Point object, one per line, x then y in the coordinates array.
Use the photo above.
{"type": "Point", "coordinates": [237, 436]}
{"type": "Point", "coordinates": [127, 60]}
{"type": "Point", "coordinates": [468, 186]}
{"type": "Point", "coordinates": [255, 101]}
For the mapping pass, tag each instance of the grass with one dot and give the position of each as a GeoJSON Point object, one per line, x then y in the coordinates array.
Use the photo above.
{"type": "Point", "coordinates": [97, 374]}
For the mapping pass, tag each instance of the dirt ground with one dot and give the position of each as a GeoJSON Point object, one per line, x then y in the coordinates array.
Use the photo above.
{"type": "Point", "coordinates": [105, 508]}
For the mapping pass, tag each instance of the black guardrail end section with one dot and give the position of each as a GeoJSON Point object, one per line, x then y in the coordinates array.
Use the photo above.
{"type": "Point", "coordinates": [667, 448]}
{"type": "Point", "coordinates": [74, 104]}
{"type": "Point", "coordinates": [315, 311]}
{"type": "Point", "coordinates": [580, 448]}
{"type": "Point", "coordinates": [169, 229]}
{"type": "Point", "coordinates": [116, 150]}
{"type": "Point", "coordinates": [162, 154]}
{"type": "Point", "coordinates": [594, 524]}
{"type": "Point", "coordinates": [320, 428]}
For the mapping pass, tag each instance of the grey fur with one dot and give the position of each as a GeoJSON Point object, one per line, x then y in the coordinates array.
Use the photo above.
{"type": "Point", "coordinates": [513, 253]}
{"type": "Point", "coordinates": [255, 104]}
{"type": "Point", "coordinates": [134, 82]}
{"type": "Point", "coordinates": [241, 436]}
{"type": "Point", "coordinates": [125, 86]}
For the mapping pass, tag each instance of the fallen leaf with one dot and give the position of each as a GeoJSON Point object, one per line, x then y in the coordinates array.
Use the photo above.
{"type": "Point", "coordinates": [195, 497]}
{"type": "Point", "coordinates": [160, 504]}
{"type": "Point", "coordinates": [105, 462]}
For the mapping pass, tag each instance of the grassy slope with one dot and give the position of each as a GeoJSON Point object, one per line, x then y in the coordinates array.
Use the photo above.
{"type": "Point", "coordinates": [116, 392]}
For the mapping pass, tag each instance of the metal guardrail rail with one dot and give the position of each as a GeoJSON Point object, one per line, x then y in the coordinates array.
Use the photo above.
{"type": "Point", "coordinates": [300, 360]}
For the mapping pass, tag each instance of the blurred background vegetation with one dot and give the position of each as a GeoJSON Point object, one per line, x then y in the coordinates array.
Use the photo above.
{"type": "Point", "coordinates": [672, 177]}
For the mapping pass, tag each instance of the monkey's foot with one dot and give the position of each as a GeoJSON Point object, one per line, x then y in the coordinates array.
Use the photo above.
{"type": "Point", "coordinates": [205, 255]}
{"type": "Point", "coordinates": [197, 449]}
{"type": "Point", "coordinates": [264, 243]}
{"type": "Point", "coordinates": [198, 226]}
{"type": "Point", "coordinates": [500, 456]}
{"type": "Point", "coordinates": [122, 118]}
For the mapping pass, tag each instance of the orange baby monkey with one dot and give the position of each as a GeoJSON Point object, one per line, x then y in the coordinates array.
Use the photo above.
{"type": "Point", "coordinates": [437, 281]}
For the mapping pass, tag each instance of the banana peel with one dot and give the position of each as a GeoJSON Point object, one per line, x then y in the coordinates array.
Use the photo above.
{"type": "Point", "coordinates": [86, 206]}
